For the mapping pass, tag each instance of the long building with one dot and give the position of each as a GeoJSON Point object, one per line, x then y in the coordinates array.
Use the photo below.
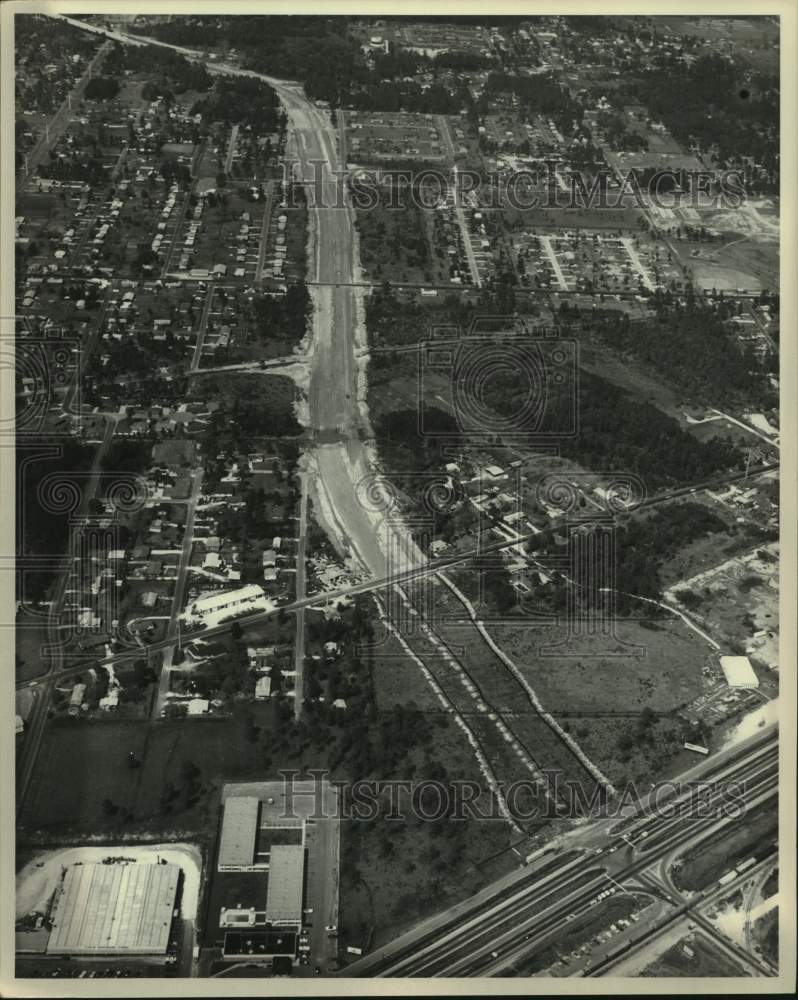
{"type": "Point", "coordinates": [114, 909]}
{"type": "Point", "coordinates": [285, 887]}
{"type": "Point", "coordinates": [239, 835]}
{"type": "Point", "coordinates": [251, 597]}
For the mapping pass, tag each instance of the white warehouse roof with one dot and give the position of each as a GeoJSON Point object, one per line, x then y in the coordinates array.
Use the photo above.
{"type": "Point", "coordinates": [239, 832]}
{"type": "Point", "coordinates": [286, 877]}
{"type": "Point", "coordinates": [738, 672]}
{"type": "Point", "coordinates": [113, 909]}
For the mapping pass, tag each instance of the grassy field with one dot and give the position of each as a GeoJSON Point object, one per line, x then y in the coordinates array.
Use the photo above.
{"type": "Point", "coordinates": [398, 679]}
{"type": "Point", "coordinates": [83, 764]}
{"type": "Point", "coordinates": [176, 454]}
{"type": "Point", "coordinates": [634, 379]}
{"type": "Point", "coordinates": [660, 754]}
{"type": "Point", "coordinates": [658, 668]}
{"type": "Point", "coordinates": [397, 245]}
{"type": "Point", "coordinates": [707, 960]}
{"type": "Point", "coordinates": [600, 700]}
{"type": "Point", "coordinates": [702, 554]}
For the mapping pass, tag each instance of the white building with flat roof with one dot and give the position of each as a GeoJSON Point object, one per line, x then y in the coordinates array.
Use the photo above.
{"type": "Point", "coordinates": [211, 609]}
{"type": "Point", "coordinates": [738, 672]}
{"type": "Point", "coordinates": [114, 909]}
{"type": "Point", "coordinates": [285, 888]}
{"type": "Point", "coordinates": [239, 835]}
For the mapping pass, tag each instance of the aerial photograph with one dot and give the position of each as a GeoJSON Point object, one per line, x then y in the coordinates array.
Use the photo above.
{"type": "Point", "coordinates": [397, 500]}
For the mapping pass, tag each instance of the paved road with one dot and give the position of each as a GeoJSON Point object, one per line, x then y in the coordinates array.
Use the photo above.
{"type": "Point", "coordinates": [178, 597]}
{"type": "Point", "coordinates": [196, 359]}
{"type": "Point", "coordinates": [231, 149]}
{"type": "Point", "coordinates": [465, 233]}
{"type": "Point", "coordinates": [333, 380]}
{"type": "Point", "coordinates": [58, 123]}
{"type": "Point", "coordinates": [264, 231]}
{"type": "Point", "coordinates": [321, 892]}
{"type": "Point", "coordinates": [299, 642]}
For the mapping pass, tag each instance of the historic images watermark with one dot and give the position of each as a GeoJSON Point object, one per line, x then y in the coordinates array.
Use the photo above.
{"type": "Point", "coordinates": [431, 800]}
{"type": "Point", "coordinates": [541, 184]}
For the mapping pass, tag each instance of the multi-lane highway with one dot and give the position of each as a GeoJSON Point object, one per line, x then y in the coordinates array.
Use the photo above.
{"type": "Point", "coordinates": [509, 922]}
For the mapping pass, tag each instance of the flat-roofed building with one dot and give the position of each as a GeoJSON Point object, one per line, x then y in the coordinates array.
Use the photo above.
{"type": "Point", "coordinates": [114, 909]}
{"type": "Point", "coordinates": [239, 835]}
{"type": "Point", "coordinates": [214, 608]}
{"type": "Point", "coordinates": [738, 672]}
{"type": "Point", "coordinates": [286, 879]}
{"type": "Point", "coordinates": [261, 944]}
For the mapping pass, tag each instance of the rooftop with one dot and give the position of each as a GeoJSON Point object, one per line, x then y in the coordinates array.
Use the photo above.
{"type": "Point", "coordinates": [738, 672]}
{"type": "Point", "coordinates": [284, 891]}
{"type": "Point", "coordinates": [239, 831]}
{"type": "Point", "coordinates": [111, 909]}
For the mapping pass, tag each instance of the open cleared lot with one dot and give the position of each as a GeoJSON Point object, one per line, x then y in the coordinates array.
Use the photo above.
{"type": "Point", "coordinates": [83, 765]}
{"type": "Point", "coordinates": [706, 960]}
{"type": "Point", "coordinates": [658, 667]}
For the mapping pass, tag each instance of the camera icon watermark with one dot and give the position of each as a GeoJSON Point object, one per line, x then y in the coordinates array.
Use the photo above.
{"type": "Point", "coordinates": [498, 382]}
{"type": "Point", "coordinates": [86, 576]}
{"type": "Point", "coordinates": [585, 508]}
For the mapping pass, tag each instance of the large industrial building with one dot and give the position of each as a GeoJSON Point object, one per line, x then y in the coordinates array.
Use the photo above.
{"type": "Point", "coordinates": [114, 909]}
{"type": "Point", "coordinates": [738, 672]}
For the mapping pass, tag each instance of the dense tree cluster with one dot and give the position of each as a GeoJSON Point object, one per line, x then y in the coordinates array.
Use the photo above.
{"type": "Point", "coordinates": [286, 317]}
{"type": "Point", "coordinates": [691, 348]}
{"type": "Point", "coordinates": [101, 88]}
{"type": "Point", "coordinates": [253, 407]}
{"type": "Point", "coordinates": [717, 102]}
{"type": "Point", "coordinates": [126, 456]}
{"type": "Point", "coordinates": [242, 101]}
{"type": "Point", "coordinates": [642, 546]}
{"type": "Point", "coordinates": [168, 72]}
{"type": "Point", "coordinates": [619, 137]}
{"type": "Point", "coordinates": [541, 94]}
{"type": "Point", "coordinates": [319, 52]}
{"type": "Point", "coordinates": [398, 231]}
{"type": "Point", "coordinates": [67, 48]}
{"type": "Point", "coordinates": [639, 548]}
